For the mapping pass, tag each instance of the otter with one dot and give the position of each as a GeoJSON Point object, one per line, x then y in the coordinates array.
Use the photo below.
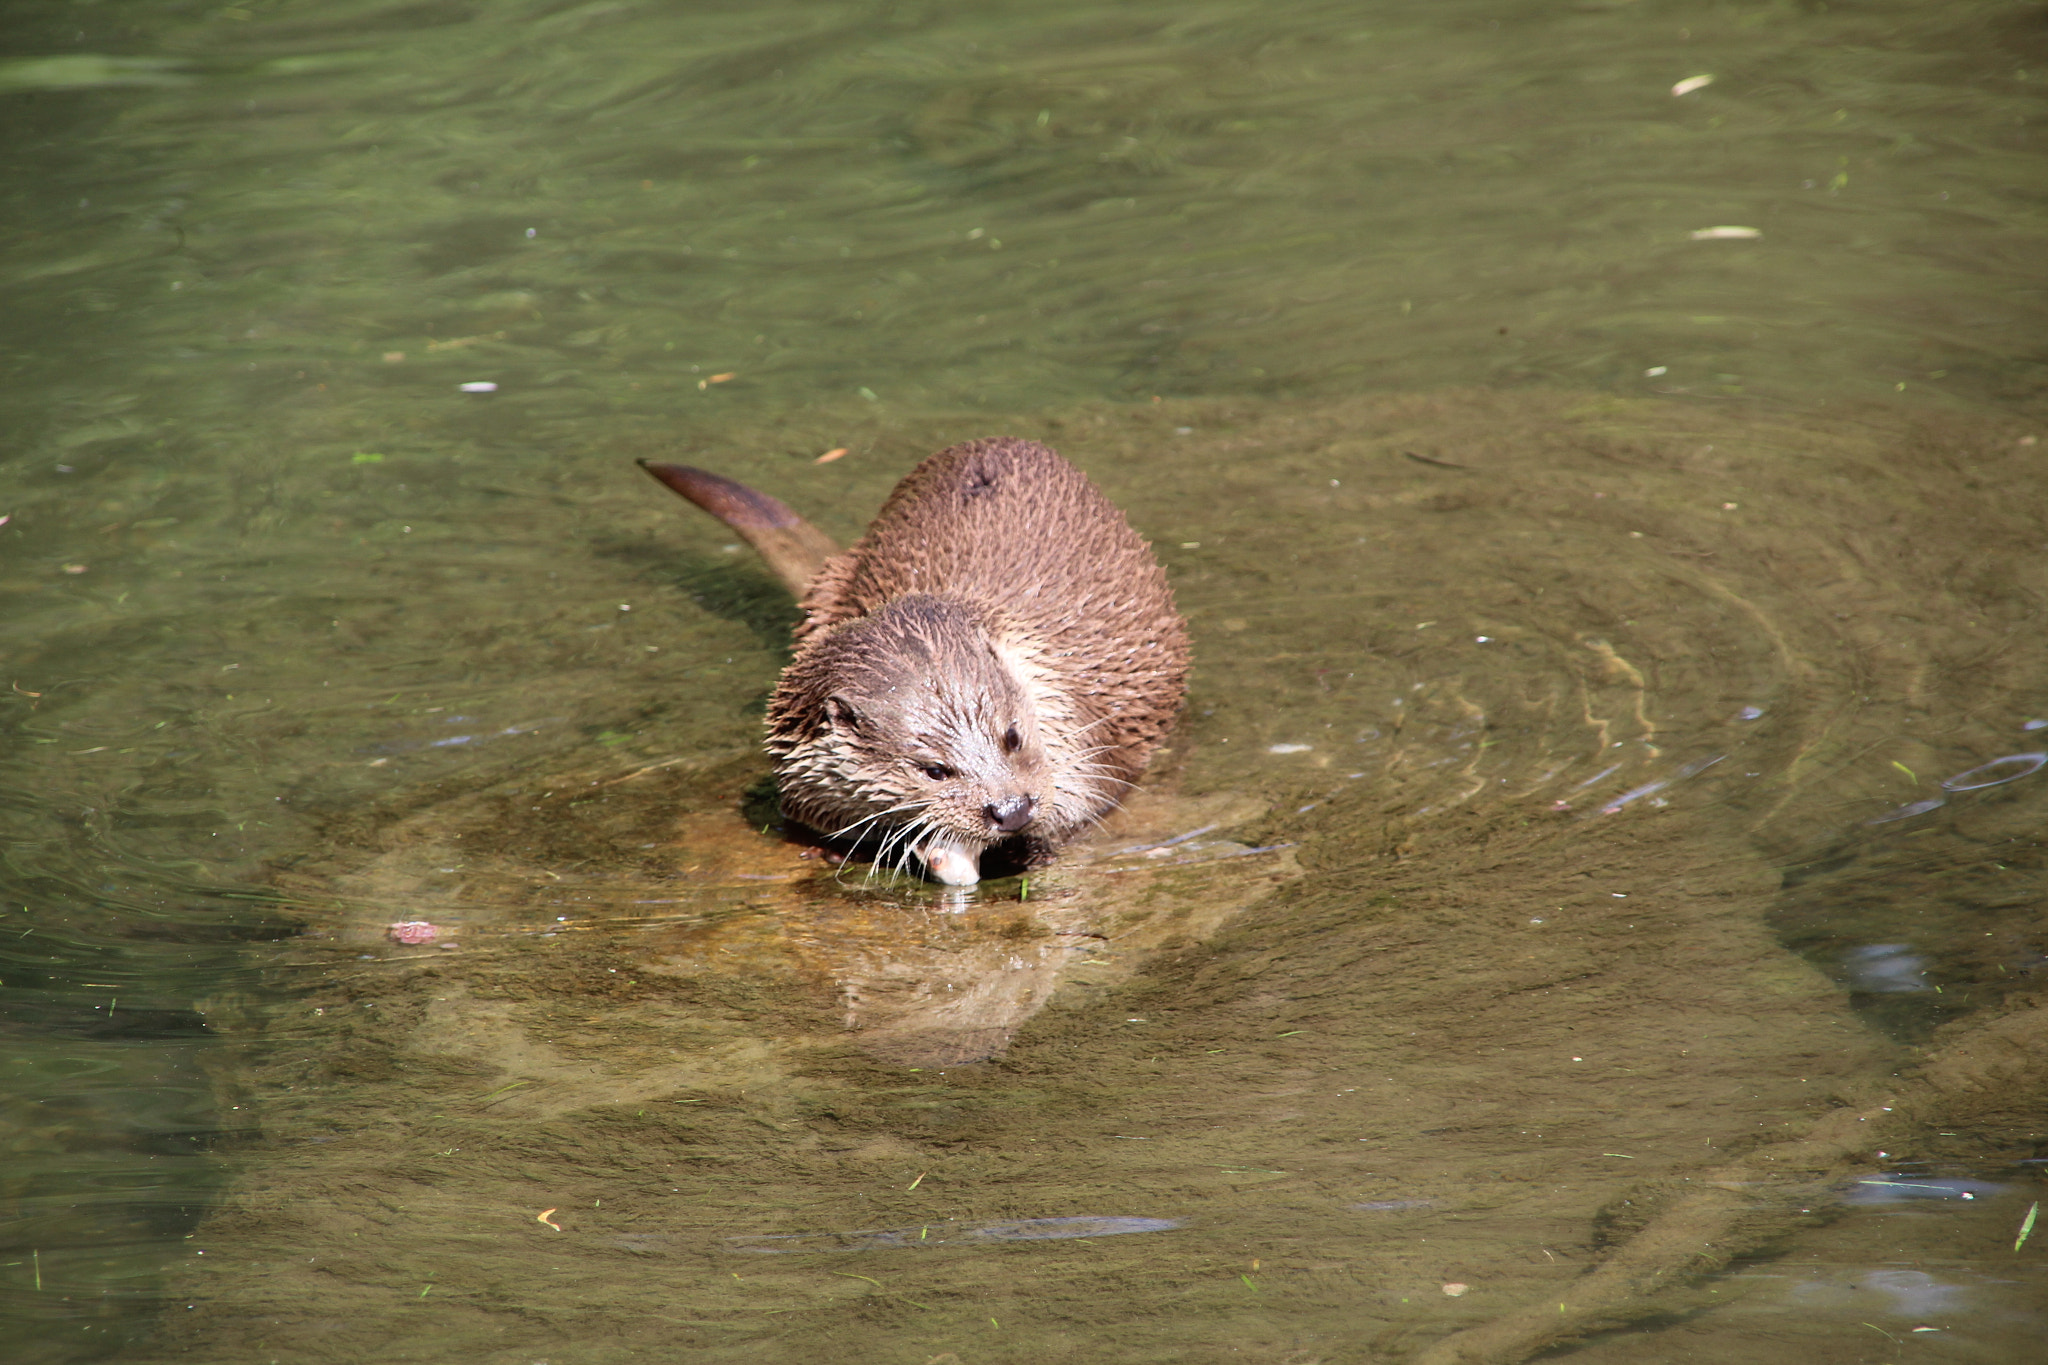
{"type": "Point", "coordinates": [990, 665]}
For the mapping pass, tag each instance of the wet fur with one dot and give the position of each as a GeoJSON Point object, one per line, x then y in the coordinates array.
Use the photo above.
{"type": "Point", "coordinates": [1000, 624]}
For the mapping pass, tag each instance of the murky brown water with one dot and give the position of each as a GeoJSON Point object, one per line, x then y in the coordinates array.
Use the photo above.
{"type": "Point", "coordinates": [1593, 902]}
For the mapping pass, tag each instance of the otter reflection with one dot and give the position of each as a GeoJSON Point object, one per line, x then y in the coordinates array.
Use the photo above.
{"type": "Point", "coordinates": [939, 976]}
{"type": "Point", "coordinates": [915, 974]}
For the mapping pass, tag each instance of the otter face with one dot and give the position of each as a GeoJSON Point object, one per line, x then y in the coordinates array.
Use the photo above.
{"type": "Point", "coordinates": [914, 732]}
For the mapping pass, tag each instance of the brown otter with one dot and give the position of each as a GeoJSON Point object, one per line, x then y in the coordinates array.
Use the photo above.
{"type": "Point", "coordinates": [992, 663]}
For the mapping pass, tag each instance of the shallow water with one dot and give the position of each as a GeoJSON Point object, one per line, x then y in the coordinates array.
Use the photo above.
{"type": "Point", "coordinates": [1614, 919]}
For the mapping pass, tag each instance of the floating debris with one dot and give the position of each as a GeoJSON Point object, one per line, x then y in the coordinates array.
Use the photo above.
{"type": "Point", "coordinates": [1886, 968]}
{"type": "Point", "coordinates": [1692, 769]}
{"type": "Point", "coordinates": [1907, 812]}
{"type": "Point", "coordinates": [1995, 774]}
{"type": "Point", "coordinates": [1897, 1189]}
{"type": "Point", "coordinates": [1173, 842]}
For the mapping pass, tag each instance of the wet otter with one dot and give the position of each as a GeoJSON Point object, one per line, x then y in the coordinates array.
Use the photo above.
{"type": "Point", "coordinates": [992, 663]}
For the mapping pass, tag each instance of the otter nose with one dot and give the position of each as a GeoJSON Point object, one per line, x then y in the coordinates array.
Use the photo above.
{"type": "Point", "coordinates": [1011, 813]}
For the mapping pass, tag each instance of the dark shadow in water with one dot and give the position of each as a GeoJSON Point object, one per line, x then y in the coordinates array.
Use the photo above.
{"type": "Point", "coordinates": [731, 587]}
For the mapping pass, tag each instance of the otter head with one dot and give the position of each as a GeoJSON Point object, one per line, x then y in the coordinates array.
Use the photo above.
{"type": "Point", "coordinates": [915, 731]}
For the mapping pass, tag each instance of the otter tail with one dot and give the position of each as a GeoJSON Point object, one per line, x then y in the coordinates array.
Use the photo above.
{"type": "Point", "coordinates": [793, 548]}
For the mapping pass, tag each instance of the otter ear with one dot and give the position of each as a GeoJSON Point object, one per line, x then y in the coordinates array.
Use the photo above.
{"type": "Point", "coordinates": [840, 713]}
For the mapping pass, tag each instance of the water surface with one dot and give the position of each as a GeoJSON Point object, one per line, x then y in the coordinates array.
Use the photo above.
{"type": "Point", "coordinates": [1610, 524]}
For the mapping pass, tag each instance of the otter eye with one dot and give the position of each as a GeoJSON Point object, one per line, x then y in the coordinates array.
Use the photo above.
{"type": "Point", "coordinates": [1012, 741]}
{"type": "Point", "coordinates": [937, 772]}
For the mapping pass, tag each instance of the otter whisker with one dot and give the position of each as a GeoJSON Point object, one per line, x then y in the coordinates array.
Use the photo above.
{"type": "Point", "coordinates": [1107, 777]}
{"type": "Point", "coordinates": [1095, 821]}
{"type": "Point", "coordinates": [1096, 767]}
{"type": "Point", "coordinates": [890, 835]}
{"type": "Point", "coordinates": [913, 803]}
{"type": "Point", "coordinates": [902, 840]}
{"type": "Point", "coordinates": [906, 851]}
{"type": "Point", "coordinates": [907, 805]}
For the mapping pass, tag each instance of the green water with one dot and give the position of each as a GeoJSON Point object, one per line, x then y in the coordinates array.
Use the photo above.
{"type": "Point", "coordinates": [1497, 489]}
